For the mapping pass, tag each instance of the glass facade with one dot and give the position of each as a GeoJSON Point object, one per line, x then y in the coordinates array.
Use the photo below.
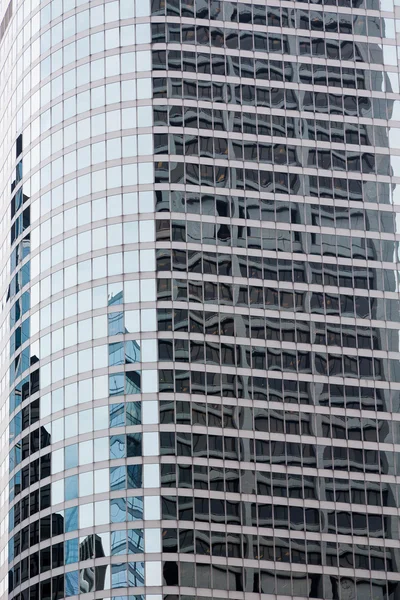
{"type": "Point", "coordinates": [199, 313]}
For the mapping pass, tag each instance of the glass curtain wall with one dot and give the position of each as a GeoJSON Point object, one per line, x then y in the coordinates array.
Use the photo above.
{"type": "Point", "coordinates": [199, 300]}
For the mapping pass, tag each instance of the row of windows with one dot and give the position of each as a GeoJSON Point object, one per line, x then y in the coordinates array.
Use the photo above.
{"type": "Point", "coordinates": [120, 353]}
{"type": "Point", "coordinates": [123, 10]}
{"type": "Point", "coordinates": [278, 421]}
{"type": "Point", "coordinates": [104, 40]}
{"type": "Point", "coordinates": [253, 482]}
{"type": "Point", "coordinates": [286, 582]}
{"type": "Point", "coordinates": [257, 68]}
{"type": "Point", "coordinates": [96, 70]}
{"type": "Point", "coordinates": [275, 210]}
{"type": "Point", "coordinates": [38, 469]}
{"type": "Point", "coordinates": [37, 562]}
{"type": "Point", "coordinates": [121, 510]}
{"type": "Point", "coordinates": [170, 597]}
{"type": "Point", "coordinates": [81, 129]}
{"type": "Point", "coordinates": [97, 124]}
{"type": "Point", "coordinates": [270, 298]}
{"type": "Point", "coordinates": [288, 361]}
{"type": "Point", "coordinates": [83, 271]}
{"type": "Point", "coordinates": [91, 154]}
{"type": "Point", "coordinates": [268, 153]}
{"type": "Point", "coordinates": [30, 384]}
{"type": "Point", "coordinates": [67, 164]}
{"type": "Point", "coordinates": [311, 552]}
{"type": "Point", "coordinates": [341, 458]}
{"type": "Point", "coordinates": [263, 42]}
{"type": "Point", "coordinates": [67, 427]}
{"type": "Point", "coordinates": [133, 383]}
{"type": "Point", "coordinates": [285, 211]}
{"type": "Point", "coordinates": [369, 4]}
{"type": "Point", "coordinates": [211, 9]}
{"type": "Point", "coordinates": [85, 580]}
{"type": "Point", "coordinates": [274, 182]}
{"type": "Point", "coordinates": [273, 581]}
{"type": "Point", "coordinates": [76, 549]}
{"type": "Point", "coordinates": [74, 304]}
{"type": "Point", "coordinates": [120, 478]}
{"type": "Point", "coordinates": [255, 388]}
{"type": "Point", "coordinates": [67, 221]}
{"type": "Point", "coordinates": [70, 364]}
{"type": "Point", "coordinates": [356, 428]}
{"type": "Point", "coordinates": [260, 14]}
{"type": "Point", "coordinates": [77, 303]}
{"type": "Point", "coordinates": [315, 215]}
{"type": "Point", "coordinates": [121, 322]}
{"type": "Point", "coordinates": [270, 328]}
{"type": "Point", "coordinates": [48, 589]}
{"type": "Point", "coordinates": [68, 520]}
{"type": "Point", "coordinates": [269, 238]}
{"type": "Point", "coordinates": [33, 442]}
{"type": "Point", "coordinates": [218, 64]}
{"type": "Point", "coordinates": [278, 485]}
{"type": "Point", "coordinates": [124, 383]}
{"type": "Point", "coordinates": [71, 304]}
{"type": "Point", "coordinates": [86, 330]}
{"type": "Point", "coordinates": [83, 20]}
{"type": "Point", "coordinates": [120, 414]}
{"type": "Point", "coordinates": [75, 105]}
{"type": "Point", "coordinates": [270, 97]}
{"type": "Point", "coordinates": [114, 205]}
{"type": "Point", "coordinates": [214, 263]}
{"type": "Point", "coordinates": [123, 575]}
{"type": "Point", "coordinates": [271, 125]}
{"type": "Point", "coordinates": [268, 389]}
{"type": "Point", "coordinates": [30, 505]}
{"type": "Point", "coordinates": [273, 269]}
{"type": "Point", "coordinates": [123, 446]}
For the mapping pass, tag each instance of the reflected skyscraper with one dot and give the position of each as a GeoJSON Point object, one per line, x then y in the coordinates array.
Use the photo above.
{"type": "Point", "coordinates": [200, 361]}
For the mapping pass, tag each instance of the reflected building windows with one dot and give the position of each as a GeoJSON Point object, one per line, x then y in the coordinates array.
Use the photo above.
{"type": "Point", "coordinates": [201, 299]}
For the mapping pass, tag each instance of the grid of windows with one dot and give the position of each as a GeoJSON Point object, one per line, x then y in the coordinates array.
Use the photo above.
{"type": "Point", "coordinates": [278, 315]}
{"type": "Point", "coordinates": [199, 307]}
{"type": "Point", "coordinates": [80, 500]}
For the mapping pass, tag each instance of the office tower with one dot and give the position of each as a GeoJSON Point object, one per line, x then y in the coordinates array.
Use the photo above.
{"type": "Point", "coordinates": [199, 310]}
